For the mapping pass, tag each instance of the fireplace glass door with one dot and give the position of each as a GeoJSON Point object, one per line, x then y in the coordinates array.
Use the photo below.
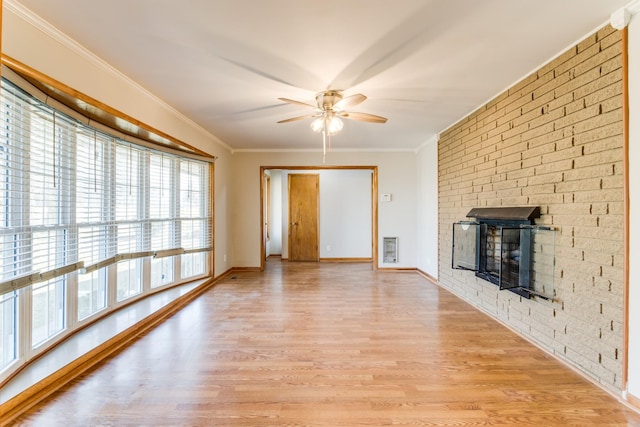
{"type": "Point", "coordinates": [518, 258]}
{"type": "Point", "coordinates": [465, 243]}
{"type": "Point", "coordinates": [508, 256]}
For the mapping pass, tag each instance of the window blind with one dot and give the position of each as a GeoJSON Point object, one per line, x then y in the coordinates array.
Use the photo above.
{"type": "Point", "coordinates": [73, 196]}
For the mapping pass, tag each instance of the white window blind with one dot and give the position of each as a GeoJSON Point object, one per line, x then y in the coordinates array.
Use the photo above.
{"type": "Point", "coordinates": [75, 196]}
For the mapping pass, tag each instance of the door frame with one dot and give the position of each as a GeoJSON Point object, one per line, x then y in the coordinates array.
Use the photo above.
{"type": "Point", "coordinates": [374, 204]}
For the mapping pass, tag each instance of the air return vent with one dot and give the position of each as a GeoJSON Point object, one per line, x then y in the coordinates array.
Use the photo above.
{"type": "Point", "coordinates": [390, 250]}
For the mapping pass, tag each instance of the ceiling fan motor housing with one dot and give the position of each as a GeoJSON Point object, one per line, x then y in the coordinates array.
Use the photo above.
{"type": "Point", "coordinates": [328, 98]}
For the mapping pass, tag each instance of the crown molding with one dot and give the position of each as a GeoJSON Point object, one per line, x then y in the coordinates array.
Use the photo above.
{"type": "Point", "coordinates": [319, 150]}
{"type": "Point", "coordinates": [633, 7]}
{"type": "Point", "coordinates": [621, 17]}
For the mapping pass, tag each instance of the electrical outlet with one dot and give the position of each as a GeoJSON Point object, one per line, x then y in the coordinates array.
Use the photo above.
{"type": "Point", "coordinates": [328, 248]}
{"type": "Point", "coordinates": [225, 257]}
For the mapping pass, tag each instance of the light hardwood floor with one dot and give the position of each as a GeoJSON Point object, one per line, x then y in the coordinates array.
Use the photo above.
{"type": "Point", "coordinates": [322, 344]}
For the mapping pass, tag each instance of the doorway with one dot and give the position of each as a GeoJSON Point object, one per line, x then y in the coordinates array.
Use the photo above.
{"type": "Point", "coordinates": [347, 213]}
{"type": "Point", "coordinates": [303, 217]}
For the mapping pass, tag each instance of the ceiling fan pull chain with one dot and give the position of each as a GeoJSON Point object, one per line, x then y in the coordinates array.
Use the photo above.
{"type": "Point", "coordinates": [326, 126]}
{"type": "Point", "coordinates": [324, 144]}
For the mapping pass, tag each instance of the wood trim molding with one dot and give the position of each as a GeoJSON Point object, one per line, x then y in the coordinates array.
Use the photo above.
{"type": "Point", "coordinates": [397, 269]}
{"type": "Point", "coordinates": [223, 275]}
{"type": "Point", "coordinates": [96, 110]}
{"type": "Point", "coordinates": [427, 276]}
{"type": "Point", "coordinates": [263, 243]}
{"type": "Point", "coordinates": [347, 260]}
{"type": "Point", "coordinates": [634, 401]}
{"type": "Point", "coordinates": [244, 269]}
{"type": "Point", "coordinates": [212, 207]}
{"type": "Point", "coordinates": [374, 219]}
{"type": "Point", "coordinates": [626, 215]}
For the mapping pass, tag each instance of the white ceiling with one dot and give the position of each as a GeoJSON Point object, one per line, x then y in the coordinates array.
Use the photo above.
{"type": "Point", "coordinates": [423, 64]}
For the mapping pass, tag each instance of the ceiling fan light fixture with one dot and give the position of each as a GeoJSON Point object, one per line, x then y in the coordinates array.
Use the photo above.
{"type": "Point", "coordinates": [317, 125]}
{"type": "Point", "coordinates": [334, 125]}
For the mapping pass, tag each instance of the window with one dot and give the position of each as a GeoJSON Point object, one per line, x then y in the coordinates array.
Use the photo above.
{"type": "Point", "coordinates": [8, 329]}
{"type": "Point", "coordinates": [163, 212]}
{"type": "Point", "coordinates": [193, 213]}
{"type": "Point", "coordinates": [48, 310]}
{"type": "Point", "coordinates": [10, 242]}
{"type": "Point", "coordinates": [95, 228]}
{"type": "Point", "coordinates": [87, 221]}
{"type": "Point", "coordinates": [129, 278]}
{"type": "Point", "coordinates": [92, 293]}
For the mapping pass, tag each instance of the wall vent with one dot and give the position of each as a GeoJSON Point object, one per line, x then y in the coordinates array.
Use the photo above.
{"type": "Point", "coordinates": [389, 250]}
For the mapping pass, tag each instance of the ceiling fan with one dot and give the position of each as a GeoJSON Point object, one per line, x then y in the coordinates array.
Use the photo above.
{"type": "Point", "coordinates": [330, 107]}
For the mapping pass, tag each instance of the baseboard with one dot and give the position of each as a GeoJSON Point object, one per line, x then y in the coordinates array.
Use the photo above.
{"type": "Point", "coordinates": [633, 401]}
{"type": "Point", "coordinates": [223, 275]}
{"type": "Point", "coordinates": [27, 399]}
{"type": "Point", "coordinates": [427, 276]}
{"type": "Point", "coordinates": [396, 269]}
{"type": "Point", "coordinates": [352, 260]}
{"type": "Point", "coordinates": [243, 269]}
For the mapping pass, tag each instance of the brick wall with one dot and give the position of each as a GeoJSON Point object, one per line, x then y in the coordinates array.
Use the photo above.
{"type": "Point", "coordinates": [553, 140]}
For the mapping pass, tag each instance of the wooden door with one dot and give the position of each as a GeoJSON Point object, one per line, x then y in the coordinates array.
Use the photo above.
{"type": "Point", "coordinates": [303, 217]}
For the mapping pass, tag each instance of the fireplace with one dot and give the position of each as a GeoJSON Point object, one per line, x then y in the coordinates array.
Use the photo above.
{"type": "Point", "coordinates": [504, 247]}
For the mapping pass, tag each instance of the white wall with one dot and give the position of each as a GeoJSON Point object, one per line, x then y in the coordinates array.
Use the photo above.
{"type": "Point", "coordinates": [275, 244]}
{"type": "Point", "coordinates": [345, 213]}
{"type": "Point", "coordinates": [396, 175]}
{"type": "Point", "coordinates": [222, 193]}
{"type": "Point", "coordinates": [634, 191]}
{"type": "Point", "coordinates": [428, 208]}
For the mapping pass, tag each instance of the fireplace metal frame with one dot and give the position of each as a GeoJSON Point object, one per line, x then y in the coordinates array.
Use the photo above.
{"type": "Point", "coordinates": [504, 247]}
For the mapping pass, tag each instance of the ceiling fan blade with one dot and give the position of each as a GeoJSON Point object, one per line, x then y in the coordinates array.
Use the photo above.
{"type": "Point", "coordinates": [293, 101]}
{"type": "Point", "coordinates": [364, 117]}
{"type": "Point", "coordinates": [349, 102]}
{"type": "Point", "coordinates": [294, 119]}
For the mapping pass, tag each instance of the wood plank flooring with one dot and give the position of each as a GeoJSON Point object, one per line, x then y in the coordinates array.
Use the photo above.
{"type": "Point", "coordinates": [321, 344]}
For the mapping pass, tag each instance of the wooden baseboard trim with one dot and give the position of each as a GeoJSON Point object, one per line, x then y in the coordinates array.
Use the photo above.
{"type": "Point", "coordinates": [244, 269]}
{"type": "Point", "coordinates": [223, 275]}
{"type": "Point", "coordinates": [397, 269]}
{"type": "Point", "coordinates": [21, 403]}
{"type": "Point", "coordinates": [427, 276]}
{"type": "Point", "coordinates": [351, 260]}
{"type": "Point", "coordinates": [633, 401]}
